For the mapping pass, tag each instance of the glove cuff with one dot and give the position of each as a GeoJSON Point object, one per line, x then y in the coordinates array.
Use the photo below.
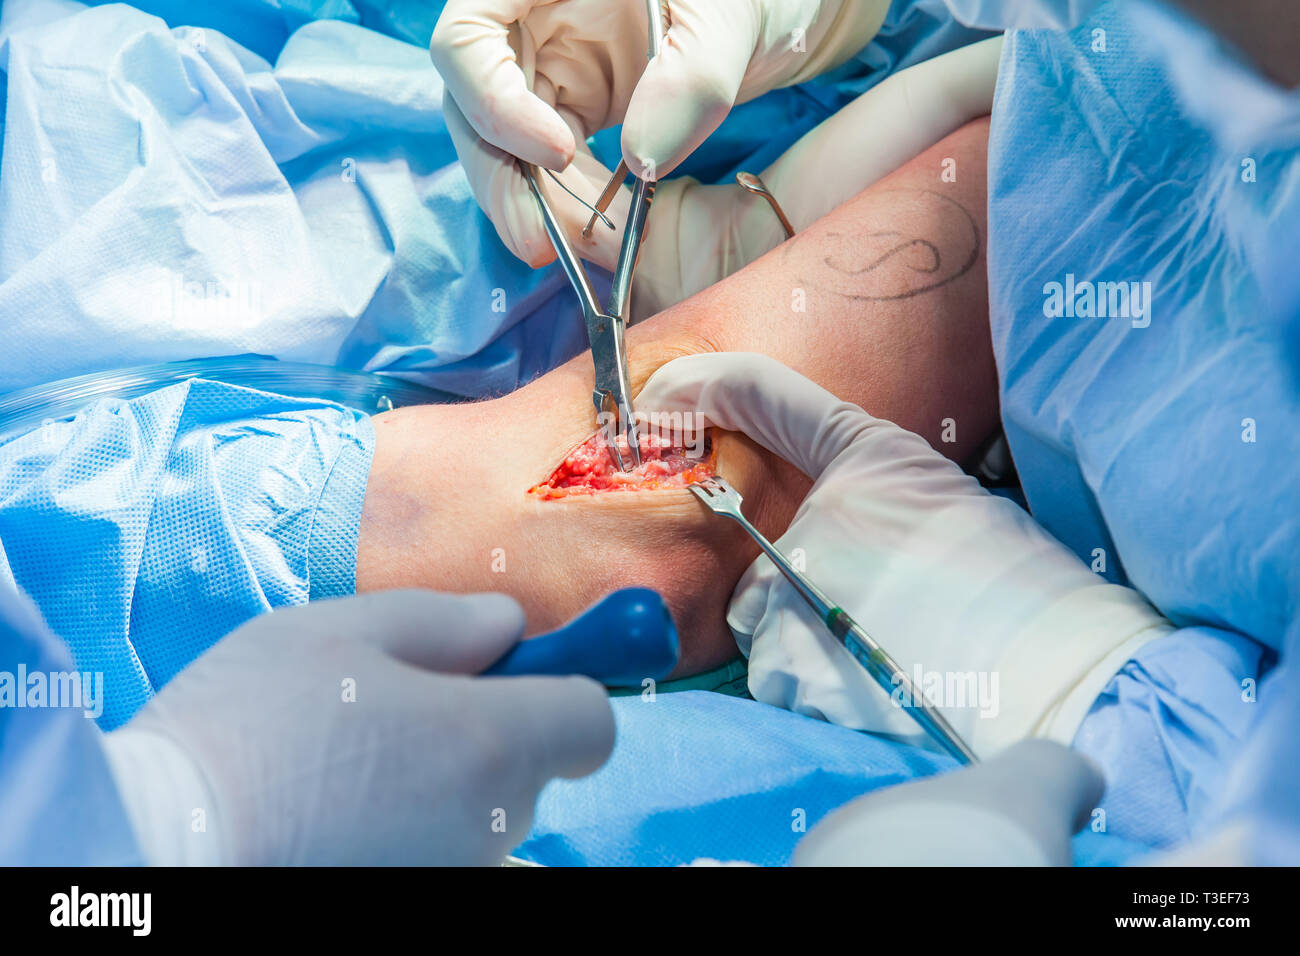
{"type": "Point", "coordinates": [1080, 642]}
{"type": "Point", "coordinates": [167, 799]}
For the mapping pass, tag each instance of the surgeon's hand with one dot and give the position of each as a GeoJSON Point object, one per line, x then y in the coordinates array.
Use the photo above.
{"type": "Point", "coordinates": [534, 78]}
{"type": "Point", "coordinates": [1002, 627]}
{"type": "Point", "coordinates": [353, 731]}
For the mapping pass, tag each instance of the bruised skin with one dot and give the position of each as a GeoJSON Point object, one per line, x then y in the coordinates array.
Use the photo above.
{"type": "Point", "coordinates": [894, 318]}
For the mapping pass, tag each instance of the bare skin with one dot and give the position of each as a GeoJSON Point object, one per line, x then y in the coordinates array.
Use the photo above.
{"type": "Point", "coordinates": [883, 302]}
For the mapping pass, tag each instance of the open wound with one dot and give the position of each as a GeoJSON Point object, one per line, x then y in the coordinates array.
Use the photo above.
{"type": "Point", "coordinates": [665, 463]}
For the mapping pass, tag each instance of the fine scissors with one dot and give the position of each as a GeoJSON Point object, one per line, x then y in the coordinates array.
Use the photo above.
{"type": "Point", "coordinates": [612, 395]}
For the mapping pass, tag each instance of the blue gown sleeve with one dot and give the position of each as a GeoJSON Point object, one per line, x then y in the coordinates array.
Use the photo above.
{"type": "Point", "coordinates": [1144, 311]}
{"type": "Point", "coordinates": [1165, 727]}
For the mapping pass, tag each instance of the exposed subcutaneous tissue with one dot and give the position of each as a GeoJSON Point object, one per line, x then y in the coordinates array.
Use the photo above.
{"type": "Point", "coordinates": [665, 463]}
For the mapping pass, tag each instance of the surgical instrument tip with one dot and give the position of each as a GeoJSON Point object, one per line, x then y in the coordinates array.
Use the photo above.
{"type": "Point", "coordinates": [633, 436]}
{"type": "Point", "coordinates": [606, 197]}
{"type": "Point", "coordinates": [750, 182]}
{"type": "Point", "coordinates": [602, 399]}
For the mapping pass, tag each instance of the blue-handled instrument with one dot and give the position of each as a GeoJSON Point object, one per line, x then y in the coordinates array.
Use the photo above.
{"type": "Point", "coordinates": [620, 641]}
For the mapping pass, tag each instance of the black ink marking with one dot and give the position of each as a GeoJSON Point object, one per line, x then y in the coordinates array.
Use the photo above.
{"type": "Point", "coordinates": [898, 250]}
{"type": "Point", "coordinates": [932, 267]}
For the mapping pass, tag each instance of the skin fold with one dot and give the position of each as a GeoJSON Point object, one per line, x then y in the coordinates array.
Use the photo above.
{"type": "Point", "coordinates": [883, 301]}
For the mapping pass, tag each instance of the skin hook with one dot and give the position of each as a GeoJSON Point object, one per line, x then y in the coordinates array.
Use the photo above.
{"type": "Point", "coordinates": [752, 183]}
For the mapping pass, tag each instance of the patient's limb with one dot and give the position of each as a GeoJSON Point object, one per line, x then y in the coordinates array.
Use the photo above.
{"type": "Point", "coordinates": [883, 302]}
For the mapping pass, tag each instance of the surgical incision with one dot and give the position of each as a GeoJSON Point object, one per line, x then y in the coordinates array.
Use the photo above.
{"type": "Point", "coordinates": [666, 462]}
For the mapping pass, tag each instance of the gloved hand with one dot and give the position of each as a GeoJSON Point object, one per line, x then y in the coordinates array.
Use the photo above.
{"type": "Point", "coordinates": [533, 79]}
{"type": "Point", "coordinates": [350, 731]}
{"type": "Point", "coordinates": [1014, 636]}
{"type": "Point", "coordinates": [1019, 809]}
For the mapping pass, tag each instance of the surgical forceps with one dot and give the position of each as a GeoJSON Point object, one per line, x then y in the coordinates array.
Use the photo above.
{"type": "Point", "coordinates": [612, 395]}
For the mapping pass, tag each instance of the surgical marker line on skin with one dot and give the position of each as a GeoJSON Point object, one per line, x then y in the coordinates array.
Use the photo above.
{"type": "Point", "coordinates": [935, 267]}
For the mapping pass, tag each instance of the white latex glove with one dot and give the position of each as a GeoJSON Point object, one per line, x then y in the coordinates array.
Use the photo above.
{"type": "Point", "coordinates": [1019, 809]}
{"type": "Point", "coordinates": [947, 577]}
{"type": "Point", "coordinates": [348, 732]}
{"type": "Point", "coordinates": [534, 78]}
